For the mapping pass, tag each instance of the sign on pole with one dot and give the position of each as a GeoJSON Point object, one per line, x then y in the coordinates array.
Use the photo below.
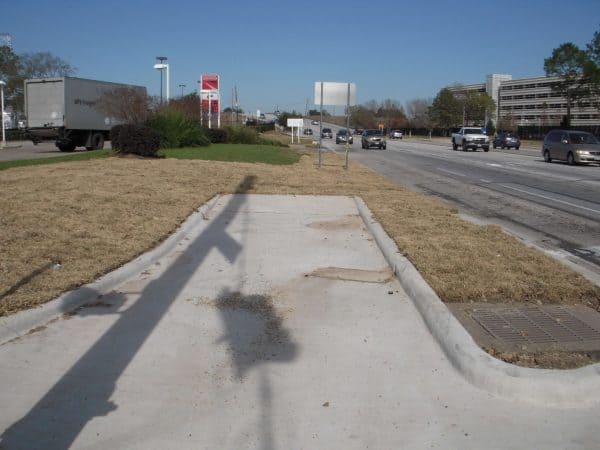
{"type": "Point", "coordinates": [333, 94]}
{"type": "Point", "coordinates": [295, 123]}
{"type": "Point", "coordinates": [210, 97]}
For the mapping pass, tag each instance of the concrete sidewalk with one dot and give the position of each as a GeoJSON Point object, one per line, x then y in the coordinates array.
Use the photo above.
{"type": "Point", "coordinates": [274, 324]}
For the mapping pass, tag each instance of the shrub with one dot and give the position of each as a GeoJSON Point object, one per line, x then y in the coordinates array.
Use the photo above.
{"type": "Point", "coordinates": [176, 130]}
{"type": "Point", "coordinates": [273, 142]}
{"type": "Point", "coordinates": [242, 135]}
{"type": "Point", "coordinates": [136, 139]}
{"type": "Point", "coordinates": [218, 135]}
{"type": "Point", "coordinates": [115, 136]}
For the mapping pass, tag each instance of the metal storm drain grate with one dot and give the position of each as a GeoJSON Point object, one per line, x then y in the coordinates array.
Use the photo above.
{"type": "Point", "coordinates": [535, 325]}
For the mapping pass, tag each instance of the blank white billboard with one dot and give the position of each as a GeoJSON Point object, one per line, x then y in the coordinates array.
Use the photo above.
{"type": "Point", "coordinates": [297, 123]}
{"type": "Point", "coordinates": [334, 93]}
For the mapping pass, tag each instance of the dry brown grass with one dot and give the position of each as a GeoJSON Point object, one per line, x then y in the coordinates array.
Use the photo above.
{"type": "Point", "coordinates": [93, 216]}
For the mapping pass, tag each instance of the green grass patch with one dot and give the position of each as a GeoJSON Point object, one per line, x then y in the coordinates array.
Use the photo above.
{"type": "Point", "coordinates": [267, 154]}
{"type": "Point", "coordinates": [80, 156]}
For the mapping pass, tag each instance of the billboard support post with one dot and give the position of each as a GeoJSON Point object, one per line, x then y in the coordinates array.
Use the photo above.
{"type": "Point", "coordinates": [321, 126]}
{"type": "Point", "coordinates": [331, 93]}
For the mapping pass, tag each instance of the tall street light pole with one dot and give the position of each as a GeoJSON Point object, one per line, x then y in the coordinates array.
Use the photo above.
{"type": "Point", "coordinates": [160, 66]}
{"type": "Point", "coordinates": [182, 86]}
{"type": "Point", "coordinates": [2, 84]}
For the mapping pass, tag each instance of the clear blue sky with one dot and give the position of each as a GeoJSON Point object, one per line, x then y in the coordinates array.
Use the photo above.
{"type": "Point", "coordinates": [274, 51]}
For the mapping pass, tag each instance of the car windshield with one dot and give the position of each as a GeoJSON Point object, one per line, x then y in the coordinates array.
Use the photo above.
{"type": "Point", "coordinates": [341, 132]}
{"type": "Point", "coordinates": [583, 138]}
{"type": "Point", "coordinates": [371, 132]}
{"type": "Point", "coordinates": [326, 130]}
{"type": "Point", "coordinates": [472, 130]}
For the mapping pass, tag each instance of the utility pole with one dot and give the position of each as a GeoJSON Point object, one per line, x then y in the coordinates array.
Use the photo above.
{"type": "Point", "coordinates": [182, 86]}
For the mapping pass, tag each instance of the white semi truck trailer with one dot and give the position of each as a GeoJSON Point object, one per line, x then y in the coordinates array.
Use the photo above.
{"type": "Point", "coordinates": [66, 109]}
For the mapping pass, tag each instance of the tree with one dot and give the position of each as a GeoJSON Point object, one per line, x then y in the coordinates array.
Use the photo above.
{"type": "Point", "coordinates": [44, 65]}
{"type": "Point", "coordinates": [9, 73]}
{"type": "Point", "coordinates": [15, 69]}
{"type": "Point", "coordinates": [362, 117]}
{"type": "Point", "coordinates": [445, 110]}
{"type": "Point", "coordinates": [125, 103]}
{"type": "Point", "coordinates": [285, 115]}
{"type": "Point", "coordinates": [567, 63]}
{"type": "Point", "coordinates": [417, 111]}
{"type": "Point", "coordinates": [477, 107]}
{"type": "Point", "coordinates": [591, 70]}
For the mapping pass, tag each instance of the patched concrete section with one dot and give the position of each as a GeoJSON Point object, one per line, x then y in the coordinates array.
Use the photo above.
{"type": "Point", "coordinates": [342, 273]}
{"type": "Point", "coordinates": [225, 343]}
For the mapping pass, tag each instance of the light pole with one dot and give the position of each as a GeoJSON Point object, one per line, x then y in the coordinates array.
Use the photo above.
{"type": "Point", "coordinates": [182, 86]}
{"type": "Point", "coordinates": [200, 98]}
{"type": "Point", "coordinates": [161, 66]}
{"type": "Point", "coordinates": [2, 84]}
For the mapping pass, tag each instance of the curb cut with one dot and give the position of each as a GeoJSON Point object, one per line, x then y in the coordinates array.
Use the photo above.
{"type": "Point", "coordinates": [21, 323]}
{"type": "Point", "coordinates": [561, 388]}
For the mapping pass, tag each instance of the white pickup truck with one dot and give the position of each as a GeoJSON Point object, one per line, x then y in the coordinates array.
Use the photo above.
{"type": "Point", "coordinates": [470, 137]}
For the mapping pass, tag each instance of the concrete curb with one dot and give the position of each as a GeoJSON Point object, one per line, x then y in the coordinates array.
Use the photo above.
{"type": "Point", "coordinates": [561, 388]}
{"type": "Point", "coordinates": [22, 322]}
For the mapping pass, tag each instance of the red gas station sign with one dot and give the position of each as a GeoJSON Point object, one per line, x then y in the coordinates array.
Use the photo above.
{"type": "Point", "coordinates": [214, 105]}
{"type": "Point", "coordinates": [210, 82]}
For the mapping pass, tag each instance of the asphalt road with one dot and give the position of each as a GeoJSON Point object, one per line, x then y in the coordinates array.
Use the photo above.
{"type": "Point", "coordinates": [554, 206]}
{"type": "Point", "coordinates": [26, 150]}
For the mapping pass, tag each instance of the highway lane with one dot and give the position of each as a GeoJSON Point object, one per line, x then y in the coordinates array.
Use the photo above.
{"type": "Point", "coordinates": [555, 207]}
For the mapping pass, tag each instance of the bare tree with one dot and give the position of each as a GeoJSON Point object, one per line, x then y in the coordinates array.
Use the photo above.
{"type": "Point", "coordinates": [43, 65]}
{"type": "Point", "coordinates": [129, 104]}
{"type": "Point", "coordinates": [417, 111]}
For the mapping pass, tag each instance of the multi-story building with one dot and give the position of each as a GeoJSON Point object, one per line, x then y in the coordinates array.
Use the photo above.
{"type": "Point", "coordinates": [531, 103]}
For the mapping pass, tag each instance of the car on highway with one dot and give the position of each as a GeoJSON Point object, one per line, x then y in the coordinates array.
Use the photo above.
{"type": "Point", "coordinates": [373, 138]}
{"type": "Point", "coordinates": [327, 133]}
{"type": "Point", "coordinates": [342, 136]}
{"type": "Point", "coordinates": [572, 146]}
{"type": "Point", "coordinates": [507, 140]}
{"type": "Point", "coordinates": [395, 134]}
{"type": "Point", "coordinates": [308, 131]}
{"type": "Point", "coordinates": [358, 131]}
{"type": "Point", "coordinates": [315, 122]}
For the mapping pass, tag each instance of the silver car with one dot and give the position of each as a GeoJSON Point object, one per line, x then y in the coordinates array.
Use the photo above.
{"type": "Point", "coordinates": [373, 138]}
{"type": "Point", "coordinates": [572, 146]}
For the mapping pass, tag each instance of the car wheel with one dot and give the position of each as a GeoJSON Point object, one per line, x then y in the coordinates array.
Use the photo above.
{"type": "Point", "coordinates": [517, 147]}
{"type": "Point", "coordinates": [494, 146]}
{"type": "Point", "coordinates": [570, 159]}
{"type": "Point", "coordinates": [547, 156]}
{"type": "Point", "coordinates": [486, 149]}
{"type": "Point", "coordinates": [454, 146]}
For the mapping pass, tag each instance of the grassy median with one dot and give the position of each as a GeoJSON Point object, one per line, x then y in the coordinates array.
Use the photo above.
{"type": "Point", "coordinates": [93, 216]}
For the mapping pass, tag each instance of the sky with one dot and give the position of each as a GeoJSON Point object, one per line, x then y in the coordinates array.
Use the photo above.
{"type": "Point", "coordinates": [274, 51]}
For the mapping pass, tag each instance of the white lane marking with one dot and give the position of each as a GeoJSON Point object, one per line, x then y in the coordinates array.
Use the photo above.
{"type": "Point", "coordinates": [552, 199]}
{"type": "Point", "coordinates": [494, 165]}
{"type": "Point", "coordinates": [485, 181]}
{"type": "Point", "coordinates": [452, 172]}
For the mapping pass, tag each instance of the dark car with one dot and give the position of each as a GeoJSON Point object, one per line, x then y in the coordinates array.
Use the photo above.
{"type": "Point", "coordinates": [373, 138]}
{"type": "Point", "coordinates": [507, 140]}
{"type": "Point", "coordinates": [308, 131]}
{"type": "Point", "coordinates": [358, 131]}
{"type": "Point", "coordinates": [327, 133]}
{"type": "Point", "coordinates": [572, 146]}
{"type": "Point", "coordinates": [342, 136]}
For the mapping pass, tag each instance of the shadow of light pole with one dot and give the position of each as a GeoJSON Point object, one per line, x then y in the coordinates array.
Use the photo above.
{"type": "Point", "coordinates": [83, 392]}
